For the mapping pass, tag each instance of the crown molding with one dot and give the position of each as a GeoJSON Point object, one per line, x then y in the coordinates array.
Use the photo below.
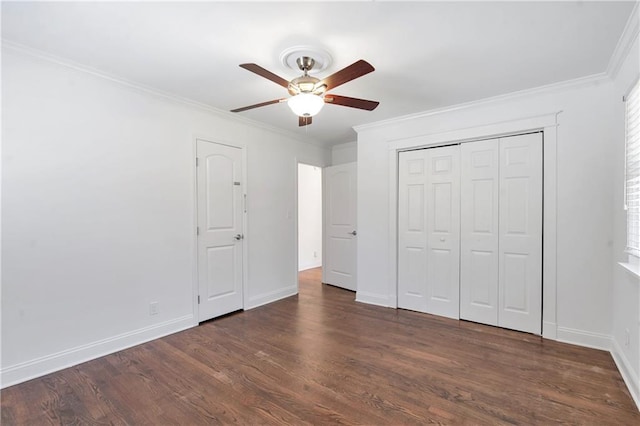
{"type": "Point", "coordinates": [625, 42]}
{"type": "Point", "coordinates": [67, 63]}
{"type": "Point", "coordinates": [602, 77]}
{"type": "Point", "coordinates": [345, 145]}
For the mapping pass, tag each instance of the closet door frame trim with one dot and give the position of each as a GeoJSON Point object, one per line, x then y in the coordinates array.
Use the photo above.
{"type": "Point", "coordinates": [547, 124]}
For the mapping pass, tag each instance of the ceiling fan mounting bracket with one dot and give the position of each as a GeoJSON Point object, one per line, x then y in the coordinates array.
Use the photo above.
{"type": "Point", "coordinates": [321, 58]}
{"type": "Point", "coordinates": [305, 63]}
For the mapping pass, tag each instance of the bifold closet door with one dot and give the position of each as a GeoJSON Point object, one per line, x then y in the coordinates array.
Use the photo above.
{"type": "Point", "coordinates": [429, 231]}
{"type": "Point", "coordinates": [501, 232]}
{"type": "Point", "coordinates": [479, 228]}
{"type": "Point", "coordinates": [520, 244]}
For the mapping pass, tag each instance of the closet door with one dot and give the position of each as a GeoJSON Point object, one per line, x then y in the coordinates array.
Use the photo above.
{"type": "Point", "coordinates": [429, 231]}
{"type": "Point", "coordinates": [520, 241]}
{"type": "Point", "coordinates": [470, 232]}
{"type": "Point", "coordinates": [412, 230]}
{"type": "Point", "coordinates": [443, 231]}
{"type": "Point", "coordinates": [479, 231]}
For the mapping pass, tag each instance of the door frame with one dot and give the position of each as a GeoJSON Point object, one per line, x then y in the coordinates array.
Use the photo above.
{"type": "Point", "coordinates": [547, 124]}
{"type": "Point", "coordinates": [297, 210]}
{"type": "Point", "coordinates": [314, 163]}
{"type": "Point", "coordinates": [245, 242]}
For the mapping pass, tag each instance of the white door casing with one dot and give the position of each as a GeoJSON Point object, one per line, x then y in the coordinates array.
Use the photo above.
{"type": "Point", "coordinates": [520, 241]}
{"type": "Point", "coordinates": [340, 231]}
{"type": "Point", "coordinates": [220, 229]}
{"type": "Point", "coordinates": [547, 126]}
{"type": "Point", "coordinates": [429, 231]}
{"type": "Point", "coordinates": [479, 231]}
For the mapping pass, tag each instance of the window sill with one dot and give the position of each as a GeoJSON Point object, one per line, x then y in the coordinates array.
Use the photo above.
{"type": "Point", "coordinates": [631, 268]}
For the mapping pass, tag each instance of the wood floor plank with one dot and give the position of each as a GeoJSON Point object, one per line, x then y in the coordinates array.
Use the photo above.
{"type": "Point", "coordinates": [321, 358]}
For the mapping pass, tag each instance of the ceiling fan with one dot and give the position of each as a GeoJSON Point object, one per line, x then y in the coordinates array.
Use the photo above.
{"type": "Point", "coordinates": [309, 94]}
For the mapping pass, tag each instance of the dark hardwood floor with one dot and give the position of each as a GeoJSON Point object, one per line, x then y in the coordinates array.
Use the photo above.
{"type": "Point", "coordinates": [320, 358]}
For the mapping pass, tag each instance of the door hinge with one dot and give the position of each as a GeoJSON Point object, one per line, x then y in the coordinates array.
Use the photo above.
{"type": "Point", "coordinates": [197, 162]}
{"type": "Point", "coordinates": [198, 299]}
{"type": "Point", "coordinates": [197, 230]}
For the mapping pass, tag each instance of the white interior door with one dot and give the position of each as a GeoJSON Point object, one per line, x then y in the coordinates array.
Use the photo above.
{"type": "Point", "coordinates": [429, 231]}
{"type": "Point", "coordinates": [443, 232]}
{"type": "Point", "coordinates": [520, 240]}
{"type": "Point", "coordinates": [340, 241]}
{"type": "Point", "coordinates": [412, 230]}
{"type": "Point", "coordinates": [501, 232]}
{"type": "Point", "coordinates": [479, 231]}
{"type": "Point", "coordinates": [220, 229]}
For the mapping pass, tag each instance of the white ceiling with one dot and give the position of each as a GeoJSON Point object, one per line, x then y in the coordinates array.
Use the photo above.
{"type": "Point", "coordinates": [427, 55]}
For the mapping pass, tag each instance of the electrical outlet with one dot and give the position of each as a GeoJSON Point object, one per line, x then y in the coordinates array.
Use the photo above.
{"type": "Point", "coordinates": [315, 254]}
{"type": "Point", "coordinates": [627, 338]}
{"type": "Point", "coordinates": [154, 308]}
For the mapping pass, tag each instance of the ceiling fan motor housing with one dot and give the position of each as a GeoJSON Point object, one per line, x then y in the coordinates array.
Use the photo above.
{"type": "Point", "coordinates": [306, 84]}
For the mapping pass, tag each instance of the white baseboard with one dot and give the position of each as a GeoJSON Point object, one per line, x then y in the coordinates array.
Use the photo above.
{"type": "Point", "coordinates": [38, 367]}
{"type": "Point", "coordinates": [628, 373]}
{"type": "Point", "coordinates": [584, 338]}
{"type": "Point", "coordinates": [310, 265]}
{"type": "Point", "coordinates": [272, 296]}
{"type": "Point", "coordinates": [372, 299]}
{"type": "Point", "coordinates": [549, 330]}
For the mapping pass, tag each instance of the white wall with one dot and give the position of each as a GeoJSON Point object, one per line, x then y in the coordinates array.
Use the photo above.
{"type": "Point", "coordinates": [584, 207]}
{"type": "Point", "coordinates": [626, 286]}
{"type": "Point", "coordinates": [344, 153]}
{"type": "Point", "coordinates": [309, 217]}
{"type": "Point", "coordinates": [98, 213]}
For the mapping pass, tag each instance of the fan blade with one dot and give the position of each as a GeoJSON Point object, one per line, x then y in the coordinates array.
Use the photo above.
{"type": "Point", "coordinates": [353, 71]}
{"type": "Point", "coordinates": [304, 121]}
{"type": "Point", "coordinates": [266, 74]}
{"type": "Point", "coordinates": [351, 102]}
{"type": "Point", "coordinates": [275, 101]}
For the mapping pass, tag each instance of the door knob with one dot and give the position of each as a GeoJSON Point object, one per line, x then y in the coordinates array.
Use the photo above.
{"type": "Point", "coordinates": [354, 233]}
{"type": "Point", "coordinates": [238, 237]}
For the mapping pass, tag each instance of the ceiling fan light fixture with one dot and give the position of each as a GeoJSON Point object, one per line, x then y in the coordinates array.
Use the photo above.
{"type": "Point", "coordinates": [305, 104]}
{"type": "Point", "coordinates": [308, 92]}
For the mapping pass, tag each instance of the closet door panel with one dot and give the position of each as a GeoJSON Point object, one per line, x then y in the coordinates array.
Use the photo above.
{"type": "Point", "coordinates": [412, 237]}
{"type": "Point", "coordinates": [443, 231]}
{"type": "Point", "coordinates": [520, 265]}
{"type": "Point", "coordinates": [479, 231]}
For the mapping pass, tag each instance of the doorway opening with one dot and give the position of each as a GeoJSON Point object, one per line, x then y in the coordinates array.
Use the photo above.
{"type": "Point", "coordinates": [309, 217]}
